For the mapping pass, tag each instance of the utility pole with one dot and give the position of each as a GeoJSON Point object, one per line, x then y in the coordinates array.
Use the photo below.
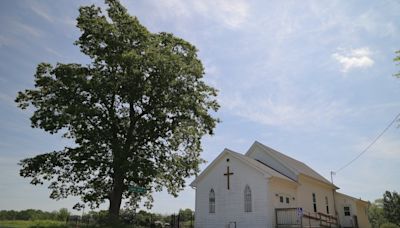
{"type": "Point", "coordinates": [332, 173]}
{"type": "Point", "coordinates": [334, 198]}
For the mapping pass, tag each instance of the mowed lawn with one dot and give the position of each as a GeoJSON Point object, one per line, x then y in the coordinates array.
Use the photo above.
{"type": "Point", "coordinates": [32, 224]}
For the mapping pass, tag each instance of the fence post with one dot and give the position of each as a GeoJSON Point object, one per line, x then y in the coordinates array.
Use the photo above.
{"type": "Point", "coordinates": [301, 220]}
{"type": "Point", "coordinates": [191, 220]}
{"type": "Point", "coordinates": [320, 220]}
{"type": "Point", "coordinates": [179, 220]}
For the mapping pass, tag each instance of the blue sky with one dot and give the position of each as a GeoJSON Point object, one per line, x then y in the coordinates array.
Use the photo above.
{"type": "Point", "coordinates": [312, 79]}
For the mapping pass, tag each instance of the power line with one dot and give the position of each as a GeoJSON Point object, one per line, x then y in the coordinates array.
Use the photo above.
{"type": "Point", "coordinates": [372, 143]}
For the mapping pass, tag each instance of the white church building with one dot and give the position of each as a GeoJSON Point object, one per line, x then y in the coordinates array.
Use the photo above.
{"type": "Point", "coordinates": [265, 188]}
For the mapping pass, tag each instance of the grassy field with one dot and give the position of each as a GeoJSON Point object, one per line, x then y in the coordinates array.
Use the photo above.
{"type": "Point", "coordinates": [46, 224]}
{"type": "Point", "coordinates": [32, 224]}
{"type": "Point", "coordinates": [57, 224]}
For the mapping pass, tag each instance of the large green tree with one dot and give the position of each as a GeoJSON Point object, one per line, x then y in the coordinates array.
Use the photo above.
{"type": "Point", "coordinates": [375, 214]}
{"type": "Point", "coordinates": [136, 113]}
{"type": "Point", "coordinates": [186, 214]}
{"type": "Point", "coordinates": [391, 207]}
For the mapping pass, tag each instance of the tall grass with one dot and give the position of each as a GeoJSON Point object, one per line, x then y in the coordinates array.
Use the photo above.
{"type": "Point", "coordinates": [32, 224]}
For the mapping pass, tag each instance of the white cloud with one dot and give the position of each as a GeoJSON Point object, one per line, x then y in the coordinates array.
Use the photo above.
{"type": "Point", "coordinates": [53, 52]}
{"type": "Point", "coordinates": [40, 10]}
{"type": "Point", "coordinates": [376, 23]}
{"type": "Point", "coordinates": [387, 147]}
{"type": "Point", "coordinates": [4, 41]}
{"type": "Point", "coordinates": [212, 73]}
{"type": "Point", "coordinates": [6, 99]}
{"type": "Point", "coordinates": [232, 13]}
{"type": "Point", "coordinates": [354, 58]}
{"type": "Point", "coordinates": [285, 114]}
{"type": "Point", "coordinates": [229, 13]}
{"type": "Point", "coordinates": [27, 29]}
{"type": "Point", "coordinates": [52, 14]}
{"type": "Point", "coordinates": [380, 164]}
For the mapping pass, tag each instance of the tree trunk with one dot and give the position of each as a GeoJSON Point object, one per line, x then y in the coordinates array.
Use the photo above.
{"type": "Point", "coordinates": [115, 199]}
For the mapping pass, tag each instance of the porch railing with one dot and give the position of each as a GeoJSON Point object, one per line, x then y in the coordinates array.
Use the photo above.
{"type": "Point", "coordinates": [288, 217]}
{"type": "Point", "coordinates": [297, 218]}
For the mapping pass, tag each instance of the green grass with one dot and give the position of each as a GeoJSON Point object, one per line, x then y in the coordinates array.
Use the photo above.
{"type": "Point", "coordinates": [32, 224]}
{"type": "Point", "coordinates": [48, 224]}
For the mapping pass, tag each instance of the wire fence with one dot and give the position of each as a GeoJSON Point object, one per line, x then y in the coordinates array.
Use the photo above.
{"type": "Point", "coordinates": [135, 220]}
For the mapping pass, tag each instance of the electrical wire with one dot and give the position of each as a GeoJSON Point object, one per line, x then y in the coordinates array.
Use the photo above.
{"type": "Point", "coordinates": [369, 146]}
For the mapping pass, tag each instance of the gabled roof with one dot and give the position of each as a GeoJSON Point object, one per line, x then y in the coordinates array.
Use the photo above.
{"type": "Point", "coordinates": [297, 166]}
{"type": "Point", "coordinates": [353, 198]}
{"type": "Point", "coordinates": [245, 159]}
{"type": "Point", "coordinates": [261, 166]}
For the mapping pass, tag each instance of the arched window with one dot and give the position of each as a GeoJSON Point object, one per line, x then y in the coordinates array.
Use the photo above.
{"type": "Point", "coordinates": [211, 201]}
{"type": "Point", "coordinates": [247, 199]}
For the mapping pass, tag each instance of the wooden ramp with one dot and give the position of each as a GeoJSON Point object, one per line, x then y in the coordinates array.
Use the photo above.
{"type": "Point", "coordinates": [297, 218]}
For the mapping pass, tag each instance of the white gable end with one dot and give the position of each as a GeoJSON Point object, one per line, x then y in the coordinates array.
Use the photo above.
{"type": "Point", "coordinates": [230, 203]}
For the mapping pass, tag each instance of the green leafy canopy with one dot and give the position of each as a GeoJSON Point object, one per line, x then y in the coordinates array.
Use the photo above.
{"type": "Point", "coordinates": [136, 113]}
{"type": "Point", "coordinates": [391, 207]}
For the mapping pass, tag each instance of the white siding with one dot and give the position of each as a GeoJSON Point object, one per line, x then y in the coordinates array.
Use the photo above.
{"type": "Point", "coordinates": [229, 204]}
{"type": "Point", "coordinates": [344, 201]}
{"type": "Point", "coordinates": [282, 188]}
{"type": "Point", "coordinates": [304, 195]}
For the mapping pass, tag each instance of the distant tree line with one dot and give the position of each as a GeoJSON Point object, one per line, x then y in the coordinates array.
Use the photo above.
{"type": "Point", "coordinates": [385, 212]}
{"type": "Point", "coordinates": [140, 219]}
{"type": "Point", "coordinates": [185, 219]}
{"type": "Point", "coordinates": [32, 214]}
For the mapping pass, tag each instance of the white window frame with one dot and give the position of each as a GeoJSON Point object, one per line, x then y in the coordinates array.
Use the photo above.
{"type": "Point", "coordinates": [247, 199]}
{"type": "Point", "coordinates": [211, 201]}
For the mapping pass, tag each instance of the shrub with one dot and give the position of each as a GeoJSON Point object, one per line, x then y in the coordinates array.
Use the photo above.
{"type": "Point", "coordinates": [389, 225]}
